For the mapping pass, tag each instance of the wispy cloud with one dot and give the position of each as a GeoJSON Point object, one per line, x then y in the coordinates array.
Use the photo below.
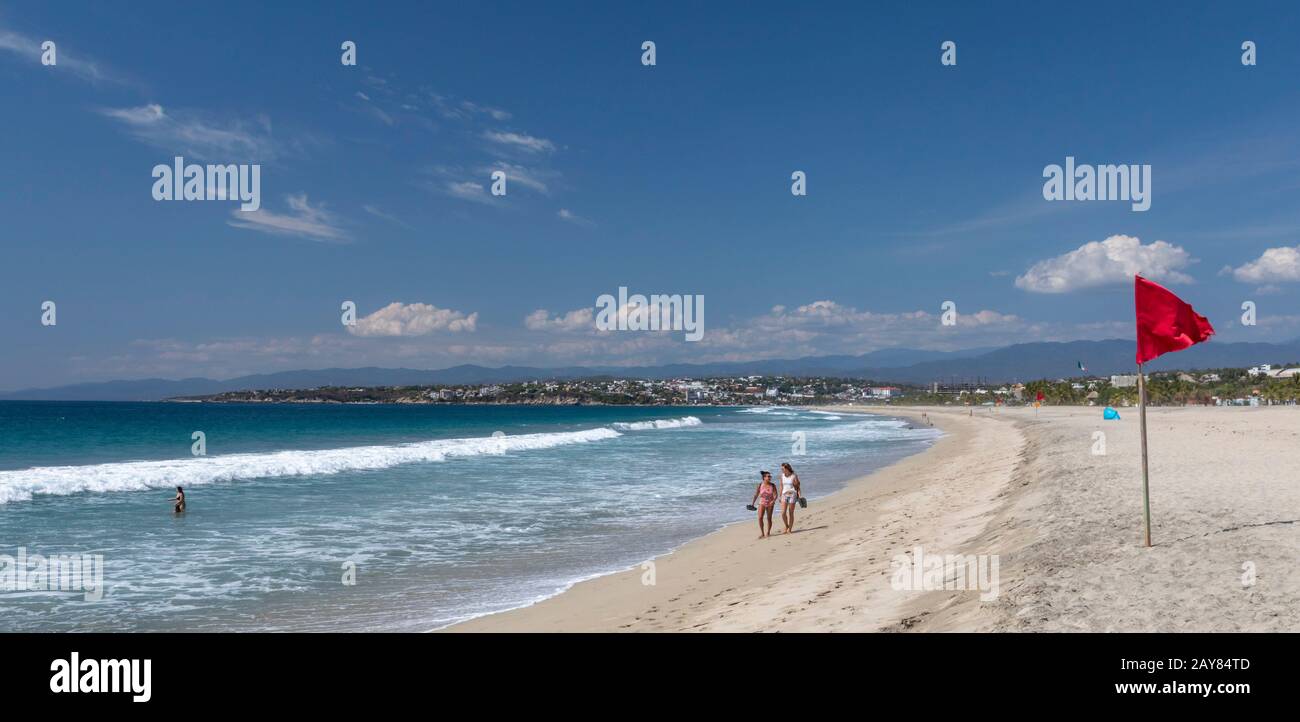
{"type": "Point", "coordinates": [531, 178]}
{"type": "Point", "coordinates": [565, 214]}
{"type": "Point", "coordinates": [377, 213]}
{"type": "Point", "coordinates": [28, 48]}
{"type": "Point", "coordinates": [519, 141]}
{"type": "Point", "coordinates": [370, 108]}
{"type": "Point", "coordinates": [468, 191]}
{"type": "Point", "coordinates": [303, 220]}
{"type": "Point", "coordinates": [191, 134]}
{"type": "Point", "coordinates": [521, 156]}
{"type": "Point", "coordinates": [459, 109]}
{"type": "Point", "coordinates": [460, 184]}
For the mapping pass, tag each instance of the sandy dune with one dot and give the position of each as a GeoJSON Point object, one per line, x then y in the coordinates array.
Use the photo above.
{"type": "Point", "coordinates": [1063, 522]}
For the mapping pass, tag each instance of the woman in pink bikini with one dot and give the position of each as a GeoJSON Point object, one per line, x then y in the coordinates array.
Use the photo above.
{"type": "Point", "coordinates": [765, 496]}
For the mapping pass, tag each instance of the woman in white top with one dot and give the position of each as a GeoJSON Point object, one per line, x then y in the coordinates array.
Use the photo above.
{"type": "Point", "coordinates": [790, 494]}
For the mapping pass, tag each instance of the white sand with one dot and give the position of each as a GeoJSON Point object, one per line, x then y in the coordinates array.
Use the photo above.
{"type": "Point", "coordinates": [1064, 523]}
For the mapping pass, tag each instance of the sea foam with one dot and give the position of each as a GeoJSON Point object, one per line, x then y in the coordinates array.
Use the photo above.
{"type": "Point", "coordinates": [657, 424]}
{"type": "Point", "coordinates": [22, 485]}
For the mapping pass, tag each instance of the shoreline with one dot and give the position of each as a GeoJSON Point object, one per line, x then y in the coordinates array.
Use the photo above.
{"type": "Point", "coordinates": [1054, 494]}
{"type": "Point", "coordinates": [692, 578]}
{"type": "Point", "coordinates": [636, 568]}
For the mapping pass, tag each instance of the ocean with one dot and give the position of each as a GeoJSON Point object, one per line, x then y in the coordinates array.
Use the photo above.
{"type": "Point", "coordinates": [311, 517]}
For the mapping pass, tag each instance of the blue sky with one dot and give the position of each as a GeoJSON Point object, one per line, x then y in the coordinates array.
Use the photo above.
{"type": "Point", "coordinates": [924, 181]}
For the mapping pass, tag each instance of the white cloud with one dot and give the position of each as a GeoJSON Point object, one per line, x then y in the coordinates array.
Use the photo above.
{"type": "Point", "coordinates": [415, 319]}
{"type": "Point", "coordinates": [189, 134]}
{"type": "Point", "coordinates": [475, 108]}
{"type": "Point", "coordinates": [452, 108]}
{"type": "Point", "coordinates": [451, 181]}
{"type": "Point", "coordinates": [576, 320]}
{"type": "Point", "coordinates": [372, 109]}
{"type": "Point", "coordinates": [812, 329]}
{"type": "Point", "coordinates": [827, 327]}
{"type": "Point", "coordinates": [391, 337]}
{"type": "Point", "coordinates": [1276, 265]}
{"type": "Point", "coordinates": [521, 175]}
{"type": "Point", "coordinates": [467, 191]}
{"type": "Point", "coordinates": [30, 48]}
{"type": "Point", "coordinates": [1114, 260]}
{"type": "Point", "coordinates": [520, 141]}
{"type": "Point", "coordinates": [303, 220]}
{"type": "Point", "coordinates": [380, 213]}
{"type": "Point", "coordinates": [565, 214]}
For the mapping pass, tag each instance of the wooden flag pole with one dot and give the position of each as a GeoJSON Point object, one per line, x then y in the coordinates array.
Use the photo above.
{"type": "Point", "coordinates": [1142, 421]}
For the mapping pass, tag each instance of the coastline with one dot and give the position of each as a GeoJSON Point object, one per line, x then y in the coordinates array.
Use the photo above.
{"type": "Point", "coordinates": [726, 581]}
{"type": "Point", "coordinates": [1028, 488]}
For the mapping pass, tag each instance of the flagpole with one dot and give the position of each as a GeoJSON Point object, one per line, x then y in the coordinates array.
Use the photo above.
{"type": "Point", "coordinates": [1142, 421]}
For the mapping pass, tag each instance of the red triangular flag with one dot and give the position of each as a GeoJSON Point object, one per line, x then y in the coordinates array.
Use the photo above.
{"type": "Point", "coordinates": [1164, 321]}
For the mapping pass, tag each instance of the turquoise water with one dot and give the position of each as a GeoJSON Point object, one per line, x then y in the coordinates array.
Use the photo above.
{"type": "Point", "coordinates": [441, 512]}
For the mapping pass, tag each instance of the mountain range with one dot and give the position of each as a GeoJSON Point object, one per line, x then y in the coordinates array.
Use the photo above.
{"type": "Point", "coordinates": [1018, 362]}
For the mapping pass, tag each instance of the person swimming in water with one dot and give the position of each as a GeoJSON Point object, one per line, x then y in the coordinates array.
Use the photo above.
{"type": "Point", "coordinates": [180, 500]}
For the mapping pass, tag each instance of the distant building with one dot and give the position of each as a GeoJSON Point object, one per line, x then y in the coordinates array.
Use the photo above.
{"type": "Point", "coordinates": [1123, 382]}
{"type": "Point", "coordinates": [885, 392]}
{"type": "Point", "coordinates": [1260, 370]}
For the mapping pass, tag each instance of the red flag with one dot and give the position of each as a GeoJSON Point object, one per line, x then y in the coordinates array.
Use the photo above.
{"type": "Point", "coordinates": [1039, 397]}
{"type": "Point", "coordinates": [1164, 321]}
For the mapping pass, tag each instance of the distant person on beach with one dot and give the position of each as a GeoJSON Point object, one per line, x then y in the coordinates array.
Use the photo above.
{"type": "Point", "coordinates": [765, 496]}
{"type": "Point", "coordinates": [180, 500]}
{"type": "Point", "coordinates": [790, 494]}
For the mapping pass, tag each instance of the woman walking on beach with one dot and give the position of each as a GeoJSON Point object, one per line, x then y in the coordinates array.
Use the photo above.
{"type": "Point", "coordinates": [790, 494]}
{"type": "Point", "coordinates": [765, 495]}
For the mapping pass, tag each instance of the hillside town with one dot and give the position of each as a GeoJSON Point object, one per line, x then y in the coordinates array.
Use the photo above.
{"type": "Point", "coordinates": [1260, 385]}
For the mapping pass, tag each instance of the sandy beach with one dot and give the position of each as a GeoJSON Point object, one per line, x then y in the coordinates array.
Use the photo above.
{"type": "Point", "coordinates": [1063, 522]}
